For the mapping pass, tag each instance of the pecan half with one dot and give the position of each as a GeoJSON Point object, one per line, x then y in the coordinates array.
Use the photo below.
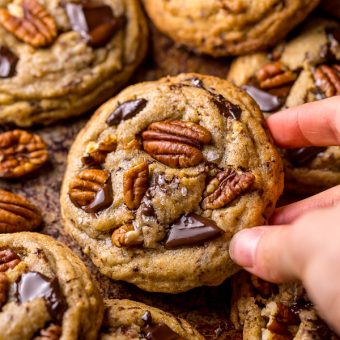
{"type": "Point", "coordinates": [17, 213]}
{"type": "Point", "coordinates": [127, 236]}
{"type": "Point", "coordinates": [176, 143]}
{"type": "Point", "coordinates": [31, 23]}
{"type": "Point", "coordinates": [225, 187]}
{"type": "Point", "coordinates": [52, 332]}
{"type": "Point", "coordinates": [4, 287]}
{"type": "Point", "coordinates": [8, 259]}
{"type": "Point", "coordinates": [274, 75]}
{"type": "Point", "coordinates": [21, 153]}
{"type": "Point", "coordinates": [328, 79]}
{"type": "Point", "coordinates": [135, 184]}
{"type": "Point", "coordinates": [96, 153]}
{"type": "Point", "coordinates": [91, 190]}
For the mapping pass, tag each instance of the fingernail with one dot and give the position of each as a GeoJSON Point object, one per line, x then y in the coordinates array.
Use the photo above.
{"type": "Point", "coordinates": [243, 246]}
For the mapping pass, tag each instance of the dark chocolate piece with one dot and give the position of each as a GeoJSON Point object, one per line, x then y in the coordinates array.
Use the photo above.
{"type": "Point", "coordinates": [95, 22]}
{"type": "Point", "coordinates": [8, 62]}
{"type": "Point", "coordinates": [126, 111]}
{"type": "Point", "coordinates": [300, 157]}
{"type": "Point", "coordinates": [226, 108]}
{"type": "Point", "coordinates": [102, 200]}
{"type": "Point", "coordinates": [33, 285]}
{"type": "Point", "coordinates": [333, 33]}
{"type": "Point", "coordinates": [160, 331]}
{"type": "Point", "coordinates": [197, 83]}
{"type": "Point", "coordinates": [147, 318]}
{"type": "Point", "coordinates": [266, 101]}
{"type": "Point", "coordinates": [192, 229]}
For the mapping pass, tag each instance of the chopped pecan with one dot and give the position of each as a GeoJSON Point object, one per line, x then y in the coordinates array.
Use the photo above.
{"type": "Point", "coordinates": [21, 153]}
{"type": "Point", "coordinates": [127, 236]}
{"type": "Point", "coordinates": [176, 143]}
{"type": "Point", "coordinates": [17, 213]}
{"type": "Point", "coordinates": [328, 79]}
{"type": "Point", "coordinates": [8, 259]}
{"type": "Point", "coordinates": [91, 190]}
{"type": "Point", "coordinates": [225, 187]}
{"type": "Point", "coordinates": [4, 286]}
{"type": "Point", "coordinates": [135, 184]}
{"type": "Point", "coordinates": [30, 23]}
{"type": "Point", "coordinates": [96, 153]}
{"type": "Point", "coordinates": [52, 332]}
{"type": "Point", "coordinates": [274, 75]}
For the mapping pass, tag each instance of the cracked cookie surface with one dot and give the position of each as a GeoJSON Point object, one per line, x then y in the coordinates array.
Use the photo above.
{"type": "Point", "coordinates": [62, 58]}
{"type": "Point", "coordinates": [227, 27]}
{"type": "Point", "coordinates": [45, 289]}
{"type": "Point", "coordinates": [303, 69]}
{"type": "Point", "coordinates": [192, 164]}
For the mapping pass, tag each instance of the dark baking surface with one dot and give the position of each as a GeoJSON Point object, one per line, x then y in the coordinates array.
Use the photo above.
{"type": "Point", "coordinates": [205, 308]}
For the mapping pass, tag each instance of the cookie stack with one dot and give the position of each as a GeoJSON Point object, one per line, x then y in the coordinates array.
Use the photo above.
{"type": "Point", "coordinates": [156, 183]}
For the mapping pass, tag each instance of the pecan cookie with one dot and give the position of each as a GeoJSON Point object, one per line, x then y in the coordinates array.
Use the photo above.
{"type": "Point", "coordinates": [60, 58]}
{"type": "Point", "coordinates": [184, 163]}
{"type": "Point", "coordinates": [46, 292]}
{"type": "Point", "coordinates": [125, 319]}
{"type": "Point", "coordinates": [303, 69]}
{"type": "Point", "coordinates": [266, 311]}
{"type": "Point", "coordinates": [227, 27]}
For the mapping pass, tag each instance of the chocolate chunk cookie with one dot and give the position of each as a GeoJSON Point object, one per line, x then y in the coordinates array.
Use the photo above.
{"type": "Point", "coordinates": [267, 311]}
{"type": "Point", "coordinates": [303, 69]}
{"type": "Point", "coordinates": [163, 175]}
{"type": "Point", "coordinates": [125, 319]}
{"type": "Point", "coordinates": [45, 290]}
{"type": "Point", "coordinates": [61, 58]}
{"type": "Point", "coordinates": [227, 27]}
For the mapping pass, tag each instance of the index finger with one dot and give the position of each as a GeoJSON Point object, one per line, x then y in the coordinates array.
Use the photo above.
{"type": "Point", "coordinates": [316, 123]}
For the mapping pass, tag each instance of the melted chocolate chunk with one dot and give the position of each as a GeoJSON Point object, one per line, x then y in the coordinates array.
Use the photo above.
{"type": "Point", "coordinates": [33, 285]}
{"type": "Point", "coordinates": [333, 33]}
{"type": "Point", "coordinates": [96, 23]}
{"type": "Point", "coordinates": [192, 229]}
{"type": "Point", "coordinates": [266, 101]}
{"type": "Point", "coordinates": [197, 83]}
{"type": "Point", "coordinates": [226, 108]}
{"type": "Point", "coordinates": [300, 157]}
{"type": "Point", "coordinates": [160, 331]}
{"type": "Point", "coordinates": [126, 111]}
{"type": "Point", "coordinates": [102, 200]}
{"type": "Point", "coordinates": [147, 318]}
{"type": "Point", "coordinates": [8, 62]}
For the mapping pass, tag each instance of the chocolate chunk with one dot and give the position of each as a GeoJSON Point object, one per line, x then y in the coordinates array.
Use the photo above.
{"type": "Point", "coordinates": [266, 101]}
{"type": "Point", "coordinates": [300, 157]}
{"type": "Point", "coordinates": [333, 33]}
{"type": "Point", "coordinates": [192, 229]}
{"type": "Point", "coordinates": [8, 62]}
{"type": "Point", "coordinates": [160, 331]}
{"type": "Point", "coordinates": [197, 83]}
{"type": "Point", "coordinates": [102, 200]}
{"type": "Point", "coordinates": [33, 285]}
{"type": "Point", "coordinates": [226, 108]}
{"type": "Point", "coordinates": [126, 111]}
{"type": "Point", "coordinates": [147, 318]}
{"type": "Point", "coordinates": [95, 22]}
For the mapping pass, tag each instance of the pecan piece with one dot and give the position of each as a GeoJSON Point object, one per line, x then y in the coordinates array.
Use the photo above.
{"type": "Point", "coordinates": [52, 332]}
{"type": "Point", "coordinates": [176, 143]}
{"type": "Point", "coordinates": [31, 23]}
{"type": "Point", "coordinates": [225, 187]}
{"type": "Point", "coordinates": [91, 190]}
{"type": "Point", "coordinates": [4, 287]}
{"type": "Point", "coordinates": [135, 184]}
{"type": "Point", "coordinates": [328, 79]}
{"type": "Point", "coordinates": [8, 259]}
{"type": "Point", "coordinates": [17, 213]}
{"type": "Point", "coordinates": [96, 153]}
{"type": "Point", "coordinates": [21, 153]}
{"type": "Point", "coordinates": [274, 75]}
{"type": "Point", "coordinates": [127, 236]}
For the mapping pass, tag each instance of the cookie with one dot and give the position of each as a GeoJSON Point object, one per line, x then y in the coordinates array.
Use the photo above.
{"type": "Point", "coordinates": [228, 27]}
{"type": "Point", "coordinates": [125, 320]}
{"type": "Point", "coordinates": [267, 311]}
{"type": "Point", "coordinates": [45, 290]}
{"type": "Point", "coordinates": [61, 58]}
{"type": "Point", "coordinates": [163, 175]}
{"type": "Point", "coordinates": [303, 69]}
